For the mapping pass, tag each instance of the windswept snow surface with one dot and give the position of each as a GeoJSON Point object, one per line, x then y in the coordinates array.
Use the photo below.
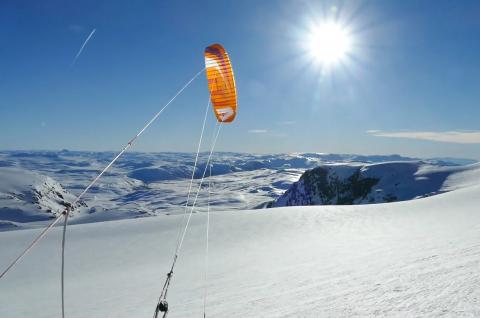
{"type": "Point", "coordinates": [417, 258]}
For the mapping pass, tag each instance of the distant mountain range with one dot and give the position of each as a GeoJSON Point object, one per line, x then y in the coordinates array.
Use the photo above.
{"type": "Point", "coordinates": [37, 185]}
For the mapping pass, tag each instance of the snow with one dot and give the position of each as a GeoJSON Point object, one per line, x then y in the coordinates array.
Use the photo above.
{"type": "Point", "coordinates": [405, 259]}
{"type": "Point", "coordinates": [149, 184]}
{"type": "Point", "coordinates": [464, 178]}
{"type": "Point", "coordinates": [388, 181]}
{"type": "Point", "coordinates": [26, 196]}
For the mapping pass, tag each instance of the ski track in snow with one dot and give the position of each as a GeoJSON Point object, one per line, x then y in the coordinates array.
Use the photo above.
{"type": "Point", "coordinates": [408, 259]}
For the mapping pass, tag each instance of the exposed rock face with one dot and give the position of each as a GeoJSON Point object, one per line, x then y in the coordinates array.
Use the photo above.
{"type": "Point", "coordinates": [320, 186]}
{"type": "Point", "coordinates": [350, 183]}
{"type": "Point", "coordinates": [26, 196]}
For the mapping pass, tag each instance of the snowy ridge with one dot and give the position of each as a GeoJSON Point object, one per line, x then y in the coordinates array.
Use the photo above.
{"type": "Point", "coordinates": [375, 183]}
{"type": "Point", "coordinates": [30, 197]}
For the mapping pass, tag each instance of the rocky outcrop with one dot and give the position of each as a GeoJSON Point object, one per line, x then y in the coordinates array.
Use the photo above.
{"type": "Point", "coordinates": [320, 186]}
{"type": "Point", "coordinates": [357, 183]}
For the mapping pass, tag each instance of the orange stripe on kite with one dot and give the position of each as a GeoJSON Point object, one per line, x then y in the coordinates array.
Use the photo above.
{"type": "Point", "coordinates": [221, 83]}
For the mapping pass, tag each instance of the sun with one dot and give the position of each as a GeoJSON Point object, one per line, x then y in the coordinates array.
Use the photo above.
{"type": "Point", "coordinates": [328, 43]}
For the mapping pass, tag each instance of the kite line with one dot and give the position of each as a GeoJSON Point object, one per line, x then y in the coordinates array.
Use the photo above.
{"type": "Point", "coordinates": [162, 304]}
{"type": "Point", "coordinates": [70, 206]}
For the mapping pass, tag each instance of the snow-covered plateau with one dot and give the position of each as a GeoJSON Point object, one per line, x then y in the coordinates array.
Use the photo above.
{"type": "Point", "coordinates": [415, 258]}
{"type": "Point", "coordinates": [36, 185]}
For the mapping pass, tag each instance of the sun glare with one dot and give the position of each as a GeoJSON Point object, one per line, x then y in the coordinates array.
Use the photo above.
{"type": "Point", "coordinates": [328, 43]}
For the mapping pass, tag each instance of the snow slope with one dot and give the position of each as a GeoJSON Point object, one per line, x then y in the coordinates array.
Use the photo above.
{"type": "Point", "coordinates": [415, 258]}
{"type": "Point", "coordinates": [27, 196]}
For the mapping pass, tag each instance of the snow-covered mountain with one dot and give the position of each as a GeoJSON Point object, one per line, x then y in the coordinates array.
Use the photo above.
{"type": "Point", "coordinates": [145, 184]}
{"type": "Point", "coordinates": [30, 197]}
{"type": "Point", "coordinates": [340, 184]}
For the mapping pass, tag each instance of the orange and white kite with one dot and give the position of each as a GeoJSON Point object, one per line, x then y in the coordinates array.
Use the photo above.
{"type": "Point", "coordinates": [221, 83]}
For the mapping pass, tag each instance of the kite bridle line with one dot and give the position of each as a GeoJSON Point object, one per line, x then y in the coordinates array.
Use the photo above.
{"type": "Point", "coordinates": [166, 285]}
{"type": "Point", "coordinates": [71, 205]}
{"type": "Point", "coordinates": [182, 221]}
{"type": "Point", "coordinates": [207, 229]}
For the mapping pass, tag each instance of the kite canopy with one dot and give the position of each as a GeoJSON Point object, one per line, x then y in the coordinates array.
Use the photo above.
{"type": "Point", "coordinates": [221, 83]}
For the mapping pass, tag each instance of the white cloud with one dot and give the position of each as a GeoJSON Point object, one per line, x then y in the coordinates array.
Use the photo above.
{"type": "Point", "coordinates": [458, 137]}
{"type": "Point", "coordinates": [258, 131]}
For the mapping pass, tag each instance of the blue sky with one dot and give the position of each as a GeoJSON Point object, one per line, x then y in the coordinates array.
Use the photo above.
{"type": "Point", "coordinates": [410, 84]}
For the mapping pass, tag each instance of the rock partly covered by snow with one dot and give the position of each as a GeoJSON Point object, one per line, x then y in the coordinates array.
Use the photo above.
{"type": "Point", "coordinates": [27, 196]}
{"type": "Point", "coordinates": [341, 184]}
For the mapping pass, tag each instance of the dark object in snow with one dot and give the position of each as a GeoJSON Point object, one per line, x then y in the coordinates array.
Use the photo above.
{"type": "Point", "coordinates": [162, 307]}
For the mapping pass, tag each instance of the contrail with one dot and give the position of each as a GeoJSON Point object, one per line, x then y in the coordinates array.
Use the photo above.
{"type": "Point", "coordinates": [83, 45]}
